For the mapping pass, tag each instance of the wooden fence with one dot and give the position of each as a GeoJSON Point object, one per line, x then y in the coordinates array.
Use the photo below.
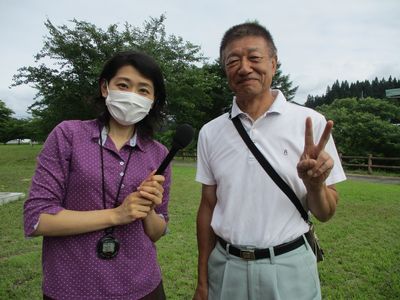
{"type": "Point", "coordinates": [187, 154]}
{"type": "Point", "coordinates": [369, 162]}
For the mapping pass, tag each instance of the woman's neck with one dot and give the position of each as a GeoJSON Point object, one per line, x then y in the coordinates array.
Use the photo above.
{"type": "Point", "coordinates": [120, 134]}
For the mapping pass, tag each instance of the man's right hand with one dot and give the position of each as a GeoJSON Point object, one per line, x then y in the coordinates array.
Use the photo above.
{"type": "Point", "coordinates": [205, 238]}
{"type": "Point", "coordinates": [201, 293]}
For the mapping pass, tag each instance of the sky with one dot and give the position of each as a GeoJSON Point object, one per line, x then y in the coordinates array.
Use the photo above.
{"type": "Point", "coordinates": [318, 41]}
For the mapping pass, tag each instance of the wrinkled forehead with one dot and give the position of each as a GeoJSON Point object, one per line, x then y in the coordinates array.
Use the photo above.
{"type": "Point", "coordinates": [245, 45]}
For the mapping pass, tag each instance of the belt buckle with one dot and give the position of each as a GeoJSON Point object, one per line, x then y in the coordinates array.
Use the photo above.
{"type": "Point", "coordinates": [247, 254]}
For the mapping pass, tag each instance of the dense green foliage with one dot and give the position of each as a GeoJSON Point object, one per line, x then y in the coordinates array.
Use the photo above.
{"type": "Point", "coordinates": [12, 128]}
{"type": "Point", "coordinates": [374, 89]}
{"type": "Point", "coordinates": [365, 122]}
{"type": "Point", "coordinates": [5, 117]}
{"type": "Point", "coordinates": [5, 112]}
{"type": "Point", "coordinates": [365, 126]}
{"type": "Point", "coordinates": [66, 75]}
{"type": "Point", "coordinates": [283, 83]}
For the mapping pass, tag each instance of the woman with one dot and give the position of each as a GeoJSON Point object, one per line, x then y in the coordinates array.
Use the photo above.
{"type": "Point", "coordinates": [94, 196]}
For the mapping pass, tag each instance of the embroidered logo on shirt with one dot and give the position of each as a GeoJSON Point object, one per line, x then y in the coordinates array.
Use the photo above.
{"type": "Point", "coordinates": [285, 152]}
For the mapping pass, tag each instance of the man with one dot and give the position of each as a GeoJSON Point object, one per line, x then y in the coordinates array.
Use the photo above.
{"type": "Point", "coordinates": [242, 210]}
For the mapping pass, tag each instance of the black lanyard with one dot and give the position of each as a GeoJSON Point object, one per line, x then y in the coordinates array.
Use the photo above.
{"type": "Point", "coordinates": [110, 230]}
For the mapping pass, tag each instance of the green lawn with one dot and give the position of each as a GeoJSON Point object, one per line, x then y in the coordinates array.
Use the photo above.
{"type": "Point", "coordinates": [361, 242]}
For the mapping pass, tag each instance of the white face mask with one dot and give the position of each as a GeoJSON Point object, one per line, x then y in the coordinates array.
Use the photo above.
{"type": "Point", "coordinates": [127, 108]}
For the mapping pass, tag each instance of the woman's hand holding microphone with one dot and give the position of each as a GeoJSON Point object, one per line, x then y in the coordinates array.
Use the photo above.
{"type": "Point", "coordinates": [139, 204]}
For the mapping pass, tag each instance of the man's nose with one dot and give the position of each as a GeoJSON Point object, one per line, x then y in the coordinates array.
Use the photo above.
{"type": "Point", "coordinates": [245, 67]}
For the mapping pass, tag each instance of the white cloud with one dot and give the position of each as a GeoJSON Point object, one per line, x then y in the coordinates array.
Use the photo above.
{"type": "Point", "coordinates": [18, 99]}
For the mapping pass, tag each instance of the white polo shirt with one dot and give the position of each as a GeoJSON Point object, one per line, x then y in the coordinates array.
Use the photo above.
{"type": "Point", "coordinates": [251, 209]}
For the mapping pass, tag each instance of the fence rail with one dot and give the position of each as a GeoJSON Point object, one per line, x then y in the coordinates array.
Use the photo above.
{"type": "Point", "coordinates": [369, 162]}
{"type": "Point", "coordinates": [187, 154]}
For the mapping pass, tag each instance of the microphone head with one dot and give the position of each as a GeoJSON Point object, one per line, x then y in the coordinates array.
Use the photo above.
{"type": "Point", "coordinates": [183, 136]}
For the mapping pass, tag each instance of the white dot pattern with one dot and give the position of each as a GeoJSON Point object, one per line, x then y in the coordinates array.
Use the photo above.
{"type": "Point", "coordinates": [68, 176]}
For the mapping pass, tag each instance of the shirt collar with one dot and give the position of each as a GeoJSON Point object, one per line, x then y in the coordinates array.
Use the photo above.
{"type": "Point", "coordinates": [134, 141]}
{"type": "Point", "coordinates": [278, 106]}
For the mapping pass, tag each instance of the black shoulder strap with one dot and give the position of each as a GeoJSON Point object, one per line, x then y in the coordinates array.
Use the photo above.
{"type": "Point", "coordinates": [269, 169]}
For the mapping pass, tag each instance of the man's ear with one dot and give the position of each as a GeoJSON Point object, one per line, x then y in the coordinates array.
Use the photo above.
{"type": "Point", "coordinates": [274, 63]}
{"type": "Point", "coordinates": [103, 87]}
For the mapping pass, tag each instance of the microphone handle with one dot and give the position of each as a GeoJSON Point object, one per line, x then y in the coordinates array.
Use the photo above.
{"type": "Point", "coordinates": [167, 160]}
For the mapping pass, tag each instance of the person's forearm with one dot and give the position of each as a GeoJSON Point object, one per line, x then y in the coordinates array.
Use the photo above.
{"type": "Point", "coordinates": [69, 222]}
{"type": "Point", "coordinates": [322, 202]}
{"type": "Point", "coordinates": [206, 242]}
{"type": "Point", "coordinates": [154, 226]}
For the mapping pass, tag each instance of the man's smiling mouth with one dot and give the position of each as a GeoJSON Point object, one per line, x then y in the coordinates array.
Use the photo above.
{"type": "Point", "coordinates": [245, 80]}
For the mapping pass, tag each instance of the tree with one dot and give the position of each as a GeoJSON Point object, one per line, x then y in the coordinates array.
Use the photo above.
{"type": "Point", "coordinates": [221, 95]}
{"type": "Point", "coordinates": [282, 82]}
{"type": "Point", "coordinates": [16, 129]}
{"type": "Point", "coordinates": [5, 112]}
{"type": "Point", "coordinates": [5, 117]}
{"type": "Point", "coordinates": [77, 55]}
{"type": "Point", "coordinates": [220, 92]}
{"type": "Point", "coordinates": [360, 90]}
{"type": "Point", "coordinates": [13, 128]}
{"type": "Point", "coordinates": [365, 126]}
{"type": "Point", "coordinates": [66, 70]}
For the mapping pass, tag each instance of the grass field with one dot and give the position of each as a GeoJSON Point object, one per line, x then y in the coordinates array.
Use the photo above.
{"type": "Point", "coordinates": [361, 242]}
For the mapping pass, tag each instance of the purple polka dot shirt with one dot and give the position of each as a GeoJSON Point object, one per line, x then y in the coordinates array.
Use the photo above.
{"type": "Point", "coordinates": [68, 175]}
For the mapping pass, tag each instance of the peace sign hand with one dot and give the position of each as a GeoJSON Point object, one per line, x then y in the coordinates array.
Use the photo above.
{"type": "Point", "coordinates": [315, 163]}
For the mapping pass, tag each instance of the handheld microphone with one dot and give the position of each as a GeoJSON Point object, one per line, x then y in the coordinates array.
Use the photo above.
{"type": "Point", "coordinates": [183, 136]}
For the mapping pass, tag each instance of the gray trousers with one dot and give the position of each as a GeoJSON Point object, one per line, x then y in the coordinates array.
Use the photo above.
{"type": "Point", "coordinates": [292, 275]}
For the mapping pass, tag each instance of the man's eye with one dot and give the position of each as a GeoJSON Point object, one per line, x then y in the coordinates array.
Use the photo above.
{"type": "Point", "coordinates": [255, 58]}
{"type": "Point", "coordinates": [232, 62]}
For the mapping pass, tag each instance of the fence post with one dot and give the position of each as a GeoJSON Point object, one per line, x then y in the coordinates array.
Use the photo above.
{"type": "Point", "coordinates": [369, 163]}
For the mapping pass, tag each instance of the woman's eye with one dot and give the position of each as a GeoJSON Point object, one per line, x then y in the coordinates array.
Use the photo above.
{"type": "Point", "coordinates": [144, 91]}
{"type": "Point", "coordinates": [122, 85]}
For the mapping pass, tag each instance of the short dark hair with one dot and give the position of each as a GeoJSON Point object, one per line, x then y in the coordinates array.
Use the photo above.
{"type": "Point", "coordinates": [244, 30]}
{"type": "Point", "coordinates": [148, 68]}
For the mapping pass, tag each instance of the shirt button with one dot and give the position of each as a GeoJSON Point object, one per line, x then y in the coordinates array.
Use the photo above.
{"type": "Point", "coordinates": [121, 163]}
{"type": "Point", "coordinates": [121, 174]}
{"type": "Point", "coordinates": [123, 185]}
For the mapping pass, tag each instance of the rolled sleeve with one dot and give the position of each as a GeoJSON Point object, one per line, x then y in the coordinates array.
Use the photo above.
{"type": "Point", "coordinates": [337, 174]}
{"type": "Point", "coordinates": [49, 181]}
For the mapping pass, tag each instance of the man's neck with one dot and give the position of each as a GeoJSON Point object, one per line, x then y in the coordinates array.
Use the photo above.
{"type": "Point", "coordinates": [255, 106]}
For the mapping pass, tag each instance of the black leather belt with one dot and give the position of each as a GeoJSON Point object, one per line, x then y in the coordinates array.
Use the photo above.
{"type": "Point", "coordinates": [252, 254]}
